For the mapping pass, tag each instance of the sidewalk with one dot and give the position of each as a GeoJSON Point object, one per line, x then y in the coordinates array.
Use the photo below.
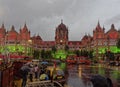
{"type": "Point", "coordinates": [34, 80]}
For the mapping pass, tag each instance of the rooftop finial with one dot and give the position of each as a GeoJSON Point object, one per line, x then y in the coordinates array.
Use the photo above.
{"type": "Point", "coordinates": [112, 26]}
{"type": "Point", "coordinates": [2, 26]}
{"type": "Point", "coordinates": [25, 24]}
{"type": "Point", "coordinates": [98, 23]}
{"type": "Point", "coordinates": [61, 20]}
{"type": "Point", "coordinates": [12, 28]}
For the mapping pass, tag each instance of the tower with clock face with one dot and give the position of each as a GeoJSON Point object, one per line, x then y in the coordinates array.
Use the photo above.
{"type": "Point", "coordinates": [61, 35]}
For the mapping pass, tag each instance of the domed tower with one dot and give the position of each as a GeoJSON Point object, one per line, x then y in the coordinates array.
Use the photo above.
{"type": "Point", "coordinates": [61, 35]}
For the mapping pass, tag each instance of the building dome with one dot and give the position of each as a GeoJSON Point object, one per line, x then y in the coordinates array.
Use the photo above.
{"type": "Point", "coordinates": [62, 26]}
{"type": "Point", "coordinates": [61, 34]}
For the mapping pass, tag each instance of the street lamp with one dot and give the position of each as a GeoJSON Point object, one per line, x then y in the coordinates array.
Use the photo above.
{"type": "Point", "coordinates": [30, 45]}
{"type": "Point", "coordinates": [6, 51]}
{"type": "Point", "coordinates": [108, 43]}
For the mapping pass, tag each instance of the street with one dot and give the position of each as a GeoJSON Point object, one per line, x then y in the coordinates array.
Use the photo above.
{"type": "Point", "coordinates": [79, 75]}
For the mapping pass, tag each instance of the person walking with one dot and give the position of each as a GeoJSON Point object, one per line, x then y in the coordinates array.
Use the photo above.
{"type": "Point", "coordinates": [24, 77]}
{"type": "Point", "coordinates": [24, 73]}
{"type": "Point", "coordinates": [36, 71]}
{"type": "Point", "coordinates": [31, 74]}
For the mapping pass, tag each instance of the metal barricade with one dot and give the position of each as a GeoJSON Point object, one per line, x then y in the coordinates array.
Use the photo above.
{"type": "Point", "coordinates": [43, 84]}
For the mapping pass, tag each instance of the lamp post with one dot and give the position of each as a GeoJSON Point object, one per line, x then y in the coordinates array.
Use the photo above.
{"type": "Point", "coordinates": [6, 53]}
{"type": "Point", "coordinates": [30, 46]}
{"type": "Point", "coordinates": [97, 49]}
{"type": "Point", "coordinates": [108, 43]}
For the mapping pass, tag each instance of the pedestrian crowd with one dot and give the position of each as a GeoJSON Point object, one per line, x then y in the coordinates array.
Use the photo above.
{"type": "Point", "coordinates": [30, 72]}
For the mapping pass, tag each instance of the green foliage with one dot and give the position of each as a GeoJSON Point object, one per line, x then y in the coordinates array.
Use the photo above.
{"type": "Point", "coordinates": [66, 47]}
{"type": "Point", "coordinates": [36, 54]}
{"type": "Point", "coordinates": [54, 49]}
{"type": "Point", "coordinates": [42, 53]}
{"type": "Point", "coordinates": [109, 55]}
{"type": "Point", "coordinates": [84, 53]}
{"type": "Point", "coordinates": [46, 54]}
{"type": "Point", "coordinates": [77, 52]}
{"type": "Point", "coordinates": [90, 54]}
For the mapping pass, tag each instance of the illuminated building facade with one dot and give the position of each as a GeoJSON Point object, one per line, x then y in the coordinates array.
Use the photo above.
{"type": "Point", "coordinates": [62, 38]}
{"type": "Point", "coordinates": [22, 43]}
{"type": "Point", "coordinates": [104, 41]}
{"type": "Point", "coordinates": [61, 34]}
{"type": "Point", "coordinates": [14, 43]}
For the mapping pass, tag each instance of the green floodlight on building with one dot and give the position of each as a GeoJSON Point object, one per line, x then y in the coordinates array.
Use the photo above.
{"type": "Point", "coordinates": [102, 50]}
{"type": "Point", "coordinates": [60, 54]}
{"type": "Point", "coordinates": [14, 48]}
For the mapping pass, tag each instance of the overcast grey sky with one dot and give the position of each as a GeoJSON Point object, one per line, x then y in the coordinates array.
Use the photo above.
{"type": "Point", "coordinates": [43, 16]}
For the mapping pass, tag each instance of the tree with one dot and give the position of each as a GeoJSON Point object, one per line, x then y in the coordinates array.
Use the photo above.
{"type": "Point", "coordinates": [91, 54]}
{"type": "Point", "coordinates": [77, 52]}
{"type": "Point", "coordinates": [109, 55]}
{"type": "Point", "coordinates": [48, 54]}
{"type": "Point", "coordinates": [54, 49]}
{"type": "Point", "coordinates": [36, 54]}
{"type": "Point", "coordinates": [43, 53]}
{"type": "Point", "coordinates": [66, 47]}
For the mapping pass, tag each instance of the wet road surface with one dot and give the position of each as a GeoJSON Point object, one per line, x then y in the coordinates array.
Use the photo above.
{"type": "Point", "coordinates": [78, 75]}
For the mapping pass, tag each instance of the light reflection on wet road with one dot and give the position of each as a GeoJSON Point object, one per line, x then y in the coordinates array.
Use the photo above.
{"type": "Point", "coordinates": [73, 78]}
{"type": "Point", "coordinates": [79, 75]}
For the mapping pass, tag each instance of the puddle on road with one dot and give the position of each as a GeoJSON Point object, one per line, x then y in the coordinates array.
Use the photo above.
{"type": "Point", "coordinates": [76, 75]}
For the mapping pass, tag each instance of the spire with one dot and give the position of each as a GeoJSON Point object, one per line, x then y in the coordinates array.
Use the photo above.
{"type": "Point", "coordinates": [103, 28]}
{"type": "Point", "coordinates": [112, 26]}
{"type": "Point", "coordinates": [98, 27]}
{"type": "Point", "coordinates": [2, 26]}
{"type": "Point", "coordinates": [12, 28]}
{"type": "Point", "coordinates": [61, 21]}
{"type": "Point", "coordinates": [98, 24]}
{"type": "Point", "coordinates": [25, 27]}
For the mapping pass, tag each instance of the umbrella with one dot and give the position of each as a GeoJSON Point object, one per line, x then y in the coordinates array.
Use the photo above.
{"type": "Point", "coordinates": [60, 72]}
{"type": "Point", "coordinates": [25, 68]}
{"type": "Point", "coordinates": [44, 62]}
{"type": "Point", "coordinates": [29, 63]}
{"type": "Point", "coordinates": [100, 81]}
{"type": "Point", "coordinates": [44, 77]}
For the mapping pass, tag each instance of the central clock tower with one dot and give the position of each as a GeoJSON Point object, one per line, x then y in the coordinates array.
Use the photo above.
{"type": "Point", "coordinates": [61, 35]}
